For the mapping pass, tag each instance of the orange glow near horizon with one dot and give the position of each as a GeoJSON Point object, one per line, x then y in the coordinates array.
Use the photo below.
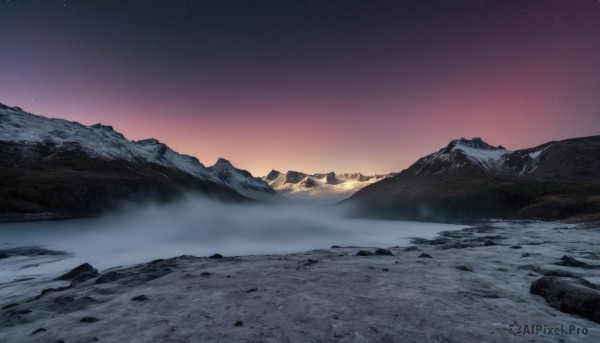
{"type": "Point", "coordinates": [313, 87]}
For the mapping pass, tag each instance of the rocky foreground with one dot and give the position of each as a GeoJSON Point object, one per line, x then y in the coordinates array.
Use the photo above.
{"type": "Point", "coordinates": [473, 285]}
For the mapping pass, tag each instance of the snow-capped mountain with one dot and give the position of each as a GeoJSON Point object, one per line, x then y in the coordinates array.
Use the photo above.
{"type": "Point", "coordinates": [241, 180]}
{"type": "Point", "coordinates": [477, 154]}
{"type": "Point", "coordinates": [59, 166]}
{"type": "Point", "coordinates": [470, 179]}
{"type": "Point", "coordinates": [97, 141]}
{"type": "Point", "coordinates": [327, 185]}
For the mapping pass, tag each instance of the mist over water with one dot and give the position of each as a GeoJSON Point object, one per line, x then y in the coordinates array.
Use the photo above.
{"type": "Point", "coordinates": [196, 226]}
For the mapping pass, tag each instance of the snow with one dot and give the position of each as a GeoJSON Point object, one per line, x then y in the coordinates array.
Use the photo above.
{"type": "Point", "coordinates": [240, 180]}
{"type": "Point", "coordinates": [490, 159]}
{"type": "Point", "coordinates": [342, 297]}
{"type": "Point", "coordinates": [537, 153]}
{"type": "Point", "coordinates": [99, 141]}
{"type": "Point", "coordinates": [349, 183]}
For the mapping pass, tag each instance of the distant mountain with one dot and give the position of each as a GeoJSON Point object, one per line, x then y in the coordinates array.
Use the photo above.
{"type": "Point", "coordinates": [470, 179]}
{"type": "Point", "coordinates": [327, 185]}
{"type": "Point", "coordinates": [241, 180]}
{"type": "Point", "coordinates": [53, 168]}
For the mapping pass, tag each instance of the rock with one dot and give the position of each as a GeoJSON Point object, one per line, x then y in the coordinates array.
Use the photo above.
{"type": "Point", "coordinates": [364, 253]}
{"type": "Point", "coordinates": [59, 341]}
{"type": "Point", "coordinates": [310, 262]}
{"type": "Point", "coordinates": [3, 255]}
{"type": "Point", "coordinates": [5, 307]}
{"type": "Point", "coordinates": [489, 243]}
{"type": "Point", "coordinates": [205, 274]}
{"type": "Point", "coordinates": [424, 255]}
{"type": "Point", "coordinates": [464, 268]}
{"type": "Point", "coordinates": [38, 330]}
{"type": "Point", "coordinates": [526, 254]}
{"type": "Point", "coordinates": [571, 262]}
{"type": "Point", "coordinates": [413, 248]}
{"type": "Point", "coordinates": [238, 323]}
{"type": "Point", "coordinates": [140, 298]}
{"type": "Point", "coordinates": [335, 247]}
{"type": "Point", "coordinates": [568, 261]}
{"type": "Point", "coordinates": [57, 289]}
{"type": "Point", "coordinates": [385, 269]}
{"type": "Point", "coordinates": [252, 290]}
{"type": "Point", "coordinates": [383, 252]}
{"type": "Point", "coordinates": [109, 277]}
{"type": "Point", "coordinates": [569, 295]}
{"type": "Point", "coordinates": [437, 241]}
{"type": "Point", "coordinates": [562, 273]}
{"type": "Point", "coordinates": [79, 274]}
{"type": "Point", "coordinates": [88, 319]}
{"type": "Point", "coordinates": [516, 247]}
{"type": "Point", "coordinates": [216, 256]}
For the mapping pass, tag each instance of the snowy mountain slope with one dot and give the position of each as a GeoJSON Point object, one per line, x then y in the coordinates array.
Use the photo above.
{"type": "Point", "coordinates": [477, 154]}
{"type": "Point", "coordinates": [470, 179]}
{"type": "Point", "coordinates": [99, 141]}
{"type": "Point", "coordinates": [54, 168]}
{"type": "Point", "coordinates": [329, 185]}
{"type": "Point", "coordinates": [241, 180]}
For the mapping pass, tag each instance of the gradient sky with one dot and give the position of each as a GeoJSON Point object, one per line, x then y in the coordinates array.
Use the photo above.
{"type": "Point", "coordinates": [309, 85]}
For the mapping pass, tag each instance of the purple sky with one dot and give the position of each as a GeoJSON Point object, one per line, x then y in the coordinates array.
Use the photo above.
{"type": "Point", "coordinates": [309, 85]}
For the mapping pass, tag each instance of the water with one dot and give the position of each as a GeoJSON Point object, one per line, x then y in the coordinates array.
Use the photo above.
{"type": "Point", "coordinates": [198, 227]}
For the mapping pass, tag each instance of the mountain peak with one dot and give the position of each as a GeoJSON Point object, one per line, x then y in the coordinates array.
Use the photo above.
{"type": "Point", "coordinates": [273, 174]}
{"type": "Point", "coordinates": [474, 143]}
{"type": "Point", "coordinates": [294, 176]}
{"type": "Point", "coordinates": [14, 108]}
{"type": "Point", "coordinates": [223, 162]}
{"type": "Point", "coordinates": [147, 141]}
{"type": "Point", "coordinates": [331, 179]}
{"type": "Point", "coordinates": [103, 127]}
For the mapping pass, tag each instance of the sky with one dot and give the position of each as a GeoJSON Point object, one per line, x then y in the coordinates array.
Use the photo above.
{"type": "Point", "coordinates": [314, 86]}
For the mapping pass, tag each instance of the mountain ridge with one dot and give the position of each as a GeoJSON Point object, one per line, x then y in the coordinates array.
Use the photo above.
{"type": "Point", "coordinates": [464, 182]}
{"type": "Point", "coordinates": [57, 168]}
{"type": "Point", "coordinates": [325, 185]}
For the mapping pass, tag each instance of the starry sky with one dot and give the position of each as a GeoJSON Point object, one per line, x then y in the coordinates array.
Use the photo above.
{"type": "Point", "coordinates": [313, 86]}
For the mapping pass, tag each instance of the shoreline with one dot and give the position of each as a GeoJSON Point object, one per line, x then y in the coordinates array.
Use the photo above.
{"type": "Point", "coordinates": [469, 290]}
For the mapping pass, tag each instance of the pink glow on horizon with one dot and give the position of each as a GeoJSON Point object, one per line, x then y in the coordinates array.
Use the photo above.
{"type": "Point", "coordinates": [348, 96]}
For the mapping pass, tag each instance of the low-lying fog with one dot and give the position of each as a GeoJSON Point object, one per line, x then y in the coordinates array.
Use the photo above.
{"type": "Point", "coordinates": [199, 227]}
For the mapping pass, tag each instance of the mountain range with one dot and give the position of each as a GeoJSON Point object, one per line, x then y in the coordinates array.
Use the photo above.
{"type": "Point", "coordinates": [470, 180]}
{"type": "Point", "coordinates": [324, 185]}
{"type": "Point", "coordinates": [54, 168]}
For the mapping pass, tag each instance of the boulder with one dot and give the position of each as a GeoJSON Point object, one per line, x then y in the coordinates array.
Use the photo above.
{"type": "Point", "coordinates": [79, 274]}
{"type": "Point", "coordinates": [88, 319]}
{"type": "Point", "coordinates": [569, 295]}
{"type": "Point", "coordinates": [383, 252]}
{"type": "Point", "coordinates": [568, 261]}
{"type": "Point", "coordinates": [110, 277]}
{"type": "Point", "coordinates": [140, 298]}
